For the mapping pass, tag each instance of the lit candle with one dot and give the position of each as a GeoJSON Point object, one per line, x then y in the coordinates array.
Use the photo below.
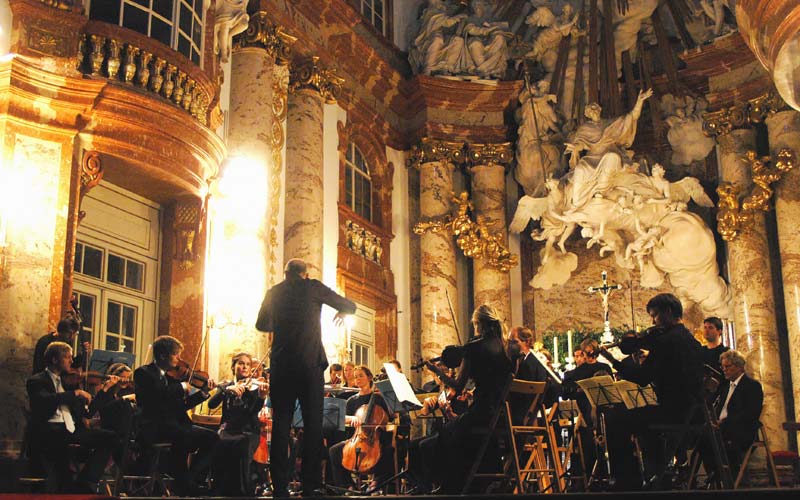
{"type": "Point", "coordinates": [555, 349]}
{"type": "Point", "coordinates": [569, 343]}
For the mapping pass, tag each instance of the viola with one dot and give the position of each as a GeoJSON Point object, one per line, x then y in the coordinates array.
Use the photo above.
{"type": "Point", "coordinates": [182, 372]}
{"type": "Point", "coordinates": [363, 451]}
{"type": "Point", "coordinates": [261, 455]}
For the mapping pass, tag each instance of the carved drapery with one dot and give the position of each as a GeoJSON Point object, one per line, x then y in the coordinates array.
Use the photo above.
{"type": "Point", "coordinates": [741, 115]}
{"type": "Point", "coordinates": [266, 35]}
{"type": "Point", "coordinates": [309, 75]}
{"type": "Point", "coordinates": [733, 215]}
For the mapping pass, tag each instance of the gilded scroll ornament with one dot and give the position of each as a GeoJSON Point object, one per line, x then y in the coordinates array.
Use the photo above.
{"type": "Point", "coordinates": [431, 150]}
{"type": "Point", "coordinates": [280, 108]}
{"type": "Point", "coordinates": [487, 154]}
{"type": "Point", "coordinates": [476, 239]}
{"type": "Point", "coordinates": [745, 114]}
{"type": "Point", "coordinates": [733, 215]}
{"type": "Point", "coordinates": [264, 34]}
{"type": "Point", "coordinates": [309, 75]}
{"type": "Point", "coordinates": [91, 174]}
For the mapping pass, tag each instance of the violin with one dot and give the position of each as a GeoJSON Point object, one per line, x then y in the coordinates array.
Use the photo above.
{"type": "Point", "coordinates": [363, 451]}
{"type": "Point", "coordinates": [182, 372]}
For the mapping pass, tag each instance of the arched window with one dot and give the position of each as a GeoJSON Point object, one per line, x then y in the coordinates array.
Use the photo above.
{"type": "Point", "coordinates": [175, 23]}
{"type": "Point", "coordinates": [357, 183]}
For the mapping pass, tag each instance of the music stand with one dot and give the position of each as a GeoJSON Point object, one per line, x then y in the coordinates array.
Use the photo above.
{"type": "Point", "coordinates": [297, 416]}
{"type": "Point", "coordinates": [397, 392]}
{"type": "Point", "coordinates": [101, 359]}
{"type": "Point", "coordinates": [642, 396]}
{"type": "Point", "coordinates": [333, 413]}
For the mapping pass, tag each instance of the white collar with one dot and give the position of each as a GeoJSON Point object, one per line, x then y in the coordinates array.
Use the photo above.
{"type": "Point", "coordinates": [53, 375]}
{"type": "Point", "coordinates": [736, 382]}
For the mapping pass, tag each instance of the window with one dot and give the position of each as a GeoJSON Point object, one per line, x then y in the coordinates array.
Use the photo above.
{"type": "Point", "coordinates": [120, 327]}
{"type": "Point", "coordinates": [359, 353]}
{"type": "Point", "coordinates": [374, 11]}
{"type": "Point", "coordinates": [125, 272]}
{"type": "Point", "coordinates": [175, 23]}
{"type": "Point", "coordinates": [88, 260]}
{"type": "Point", "coordinates": [357, 183]}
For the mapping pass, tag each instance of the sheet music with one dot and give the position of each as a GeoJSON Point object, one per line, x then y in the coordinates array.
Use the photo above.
{"type": "Point", "coordinates": [402, 389]}
{"type": "Point", "coordinates": [600, 391]}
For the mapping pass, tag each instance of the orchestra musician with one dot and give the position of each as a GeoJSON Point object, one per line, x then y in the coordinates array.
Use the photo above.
{"type": "Point", "coordinates": [65, 332]}
{"type": "Point", "coordinates": [164, 401]}
{"type": "Point", "coordinates": [335, 373]}
{"type": "Point", "coordinates": [291, 312]}
{"type": "Point", "coordinates": [675, 368]}
{"type": "Point", "coordinates": [349, 380]}
{"type": "Point", "coordinates": [112, 403]}
{"type": "Point", "coordinates": [239, 430]}
{"type": "Point", "coordinates": [527, 367]}
{"type": "Point", "coordinates": [447, 456]}
{"type": "Point", "coordinates": [712, 332]}
{"type": "Point", "coordinates": [362, 377]}
{"type": "Point", "coordinates": [58, 420]}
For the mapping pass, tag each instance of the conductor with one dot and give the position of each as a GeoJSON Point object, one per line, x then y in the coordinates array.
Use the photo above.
{"type": "Point", "coordinates": [291, 312]}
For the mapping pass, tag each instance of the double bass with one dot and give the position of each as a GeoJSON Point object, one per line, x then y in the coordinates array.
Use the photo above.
{"type": "Point", "coordinates": [363, 451]}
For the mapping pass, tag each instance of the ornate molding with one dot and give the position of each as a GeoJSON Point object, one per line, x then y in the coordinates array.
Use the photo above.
{"type": "Point", "coordinates": [742, 115]}
{"type": "Point", "coordinates": [280, 107]}
{"type": "Point", "coordinates": [264, 34]}
{"type": "Point", "coordinates": [475, 239]}
{"type": "Point", "coordinates": [733, 215]}
{"type": "Point", "coordinates": [431, 150]}
{"type": "Point", "coordinates": [363, 242]}
{"type": "Point", "coordinates": [187, 225]}
{"type": "Point", "coordinates": [107, 57]}
{"type": "Point", "coordinates": [309, 75]}
{"type": "Point", "coordinates": [91, 174]}
{"type": "Point", "coordinates": [489, 154]}
{"type": "Point", "coordinates": [70, 5]}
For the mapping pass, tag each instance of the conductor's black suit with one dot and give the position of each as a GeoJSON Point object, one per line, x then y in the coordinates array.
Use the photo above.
{"type": "Point", "coordinates": [291, 311]}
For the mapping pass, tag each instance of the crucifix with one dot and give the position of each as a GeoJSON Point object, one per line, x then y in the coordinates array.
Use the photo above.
{"type": "Point", "coordinates": [604, 292]}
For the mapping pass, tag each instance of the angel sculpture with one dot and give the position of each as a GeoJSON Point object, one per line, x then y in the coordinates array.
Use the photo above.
{"type": "Point", "coordinates": [231, 19]}
{"type": "Point", "coordinates": [545, 47]}
{"type": "Point", "coordinates": [548, 209]}
{"type": "Point", "coordinates": [678, 194]}
{"type": "Point", "coordinates": [684, 115]}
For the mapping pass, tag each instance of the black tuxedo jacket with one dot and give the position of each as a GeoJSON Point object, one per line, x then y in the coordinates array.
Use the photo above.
{"type": "Point", "coordinates": [744, 411]}
{"type": "Point", "coordinates": [291, 311]}
{"type": "Point", "coordinates": [162, 399]}
{"type": "Point", "coordinates": [45, 400]}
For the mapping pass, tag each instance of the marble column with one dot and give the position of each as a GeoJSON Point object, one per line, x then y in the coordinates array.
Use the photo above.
{"type": "Point", "coordinates": [310, 87]}
{"type": "Point", "coordinates": [750, 276]}
{"type": "Point", "coordinates": [438, 256]}
{"type": "Point", "coordinates": [784, 132]}
{"type": "Point", "coordinates": [490, 285]}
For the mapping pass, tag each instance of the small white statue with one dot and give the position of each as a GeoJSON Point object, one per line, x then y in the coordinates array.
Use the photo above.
{"type": "Point", "coordinates": [231, 19]}
{"type": "Point", "coordinates": [684, 115]}
{"type": "Point", "coordinates": [536, 148]}
{"type": "Point", "coordinates": [437, 48]}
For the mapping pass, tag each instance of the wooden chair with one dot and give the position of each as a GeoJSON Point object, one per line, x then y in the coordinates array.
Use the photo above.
{"type": "Point", "coordinates": [760, 442]}
{"type": "Point", "coordinates": [544, 460]}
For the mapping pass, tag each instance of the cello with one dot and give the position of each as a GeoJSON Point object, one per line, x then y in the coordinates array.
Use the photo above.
{"type": "Point", "coordinates": [363, 451]}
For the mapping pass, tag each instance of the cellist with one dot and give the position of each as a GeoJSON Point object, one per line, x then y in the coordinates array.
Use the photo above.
{"type": "Point", "coordinates": [362, 377]}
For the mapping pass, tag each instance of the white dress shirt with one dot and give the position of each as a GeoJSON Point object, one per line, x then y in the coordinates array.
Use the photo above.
{"type": "Point", "coordinates": [62, 413]}
{"type": "Point", "coordinates": [724, 413]}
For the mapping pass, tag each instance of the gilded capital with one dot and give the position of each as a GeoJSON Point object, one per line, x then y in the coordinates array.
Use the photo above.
{"type": "Point", "coordinates": [490, 154]}
{"type": "Point", "coordinates": [742, 115]}
{"type": "Point", "coordinates": [430, 150]}
{"type": "Point", "coordinates": [309, 75]}
{"type": "Point", "coordinates": [266, 35]}
{"type": "Point", "coordinates": [72, 5]}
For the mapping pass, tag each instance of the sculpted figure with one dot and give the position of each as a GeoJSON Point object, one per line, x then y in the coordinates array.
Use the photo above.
{"type": "Point", "coordinates": [486, 42]}
{"type": "Point", "coordinates": [545, 47]}
{"type": "Point", "coordinates": [231, 20]}
{"type": "Point", "coordinates": [684, 115]}
{"type": "Point", "coordinates": [715, 10]}
{"type": "Point", "coordinates": [539, 126]}
{"type": "Point", "coordinates": [437, 48]}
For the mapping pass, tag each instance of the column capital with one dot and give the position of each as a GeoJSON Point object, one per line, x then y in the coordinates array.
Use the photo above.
{"type": "Point", "coordinates": [742, 115]}
{"type": "Point", "coordinates": [479, 155]}
{"type": "Point", "coordinates": [309, 75]}
{"type": "Point", "coordinates": [430, 150]}
{"type": "Point", "coordinates": [266, 35]}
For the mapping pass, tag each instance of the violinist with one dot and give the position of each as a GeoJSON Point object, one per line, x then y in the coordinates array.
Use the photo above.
{"type": "Point", "coordinates": [449, 455]}
{"type": "Point", "coordinates": [239, 429]}
{"type": "Point", "coordinates": [362, 377]}
{"type": "Point", "coordinates": [112, 402]}
{"type": "Point", "coordinates": [57, 420]}
{"type": "Point", "coordinates": [675, 368]}
{"type": "Point", "coordinates": [65, 332]}
{"type": "Point", "coordinates": [164, 400]}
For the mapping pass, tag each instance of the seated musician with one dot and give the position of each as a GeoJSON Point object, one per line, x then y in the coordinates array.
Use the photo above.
{"type": "Point", "coordinates": [448, 456]}
{"type": "Point", "coordinates": [112, 404]}
{"type": "Point", "coordinates": [740, 399]}
{"type": "Point", "coordinates": [385, 466]}
{"type": "Point", "coordinates": [528, 367]}
{"type": "Point", "coordinates": [57, 420]}
{"type": "Point", "coordinates": [164, 402]}
{"type": "Point", "coordinates": [239, 429]}
{"type": "Point", "coordinates": [675, 368]}
{"type": "Point", "coordinates": [336, 377]}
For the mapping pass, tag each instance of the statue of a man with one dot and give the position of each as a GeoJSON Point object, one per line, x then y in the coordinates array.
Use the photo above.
{"type": "Point", "coordinates": [437, 48]}
{"type": "Point", "coordinates": [231, 19]}
{"type": "Point", "coordinates": [486, 42]}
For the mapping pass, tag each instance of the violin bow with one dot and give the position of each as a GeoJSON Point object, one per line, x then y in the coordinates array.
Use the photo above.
{"type": "Point", "coordinates": [452, 315]}
{"type": "Point", "coordinates": [199, 350]}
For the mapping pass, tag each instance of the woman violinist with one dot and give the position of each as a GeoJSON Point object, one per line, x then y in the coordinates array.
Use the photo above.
{"type": "Point", "coordinates": [164, 394]}
{"type": "Point", "coordinates": [239, 429]}
{"type": "Point", "coordinates": [367, 437]}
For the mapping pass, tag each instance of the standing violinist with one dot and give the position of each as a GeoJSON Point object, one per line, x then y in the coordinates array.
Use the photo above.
{"type": "Point", "coordinates": [291, 312]}
{"type": "Point", "coordinates": [362, 377]}
{"type": "Point", "coordinates": [239, 429]}
{"type": "Point", "coordinates": [65, 332]}
{"type": "Point", "coordinates": [57, 420]}
{"type": "Point", "coordinates": [164, 401]}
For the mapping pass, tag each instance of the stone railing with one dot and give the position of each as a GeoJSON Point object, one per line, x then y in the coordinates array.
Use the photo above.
{"type": "Point", "coordinates": [125, 56]}
{"type": "Point", "coordinates": [363, 242]}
